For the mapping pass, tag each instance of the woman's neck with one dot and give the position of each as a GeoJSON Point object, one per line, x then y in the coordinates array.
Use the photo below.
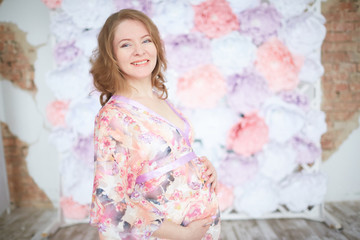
{"type": "Point", "coordinates": [139, 89]}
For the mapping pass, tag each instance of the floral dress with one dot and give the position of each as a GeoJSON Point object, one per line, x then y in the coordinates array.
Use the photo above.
{"type": "Point", "coordinates": [145, 172]}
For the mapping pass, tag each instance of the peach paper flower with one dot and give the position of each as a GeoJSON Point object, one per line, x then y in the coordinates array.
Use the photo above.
{"type": "Point", "coordinates": [279, 67]}
{"type": "Point", "coordinates": [52, 4]}
{"type": "Point", "coordinates": [215, 18]}
{"type": "Point", "coordinates": [56, 112]}
{"type": "Point", "coordinates": [249, 135]}
{"type": "Point", "coordinates": [201, 87]}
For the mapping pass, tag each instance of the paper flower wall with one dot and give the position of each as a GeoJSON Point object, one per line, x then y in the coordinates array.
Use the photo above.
{"type": "Point", "coordinates": [236, 68]}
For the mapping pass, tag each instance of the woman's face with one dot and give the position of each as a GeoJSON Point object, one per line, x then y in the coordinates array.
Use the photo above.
{"type": "Point", "coordinates": [134, 49]}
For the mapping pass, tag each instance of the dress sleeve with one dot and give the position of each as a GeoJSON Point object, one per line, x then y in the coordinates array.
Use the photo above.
{"type": "Point", "coordinates": [118, 209]}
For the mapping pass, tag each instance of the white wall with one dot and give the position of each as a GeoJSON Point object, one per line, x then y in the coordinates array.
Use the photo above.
{"type": "Point", "coordinates": [343, 170]}
{"type": "Point", "coordinates": [24, 112]}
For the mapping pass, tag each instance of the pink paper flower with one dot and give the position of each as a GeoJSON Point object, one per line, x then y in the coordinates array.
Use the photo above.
{"type": "Point", "coordinates": [215, 18]}
{"type": "Point", "coordinates": [52, 4]}
{"type": "Point", "coordinates": [201, 87]}
{"type": "Point", "coordinates": [279, 67]}
{"type": "Point", "coordinates": [72, 209]}
{"type": "Point", "coordinates": [225, 196]}
{"type": "Point", "coordinates": [249, 135]}
{"type": "Point", "coordinates": [56, 112]}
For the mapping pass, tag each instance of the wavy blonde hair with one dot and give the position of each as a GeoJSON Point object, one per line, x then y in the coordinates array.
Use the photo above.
{"type": "Point", "coordinates": [107, 76]}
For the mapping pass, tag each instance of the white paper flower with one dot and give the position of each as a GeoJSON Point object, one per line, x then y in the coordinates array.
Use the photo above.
{"type": "Point", "coordinates": [63, 27]}
{"type": "Point", "coordinates": [304, 34]}
{"type": "Point", "coordinates": [291, 8]}
{"type": "Point", "coordinates": [173, 17]}
{"type": "Point", "coordinates": [277, 161]}
{"type": "Point", "coordinates": [284, 119]}
{"type": "Point", "coordinates": [256, 198]}
{"type": "Point", "coordinates": [71, 81]}
{"type": "Point", "coordinates": [87, 41]}
{"type": "Point", "coordinates": [233, 52]}
{"type": "Point", "coordinates": [312, 70]}
{"type": "Point", "coordinates": [81, 115]}
{"type": "Point", "coordinates": [90, 13]}
{"type": "Point", "coordinates": [315, 126]}
{"type": "Point", "coordinates": [195, 2]}
{"type": "Point", "coordinates": [302, 190]}
{"type": "Point", "coordinates": [241, 5]}
{"type": "Point", "coordinates": [63, 139]}
{"type": "Point", "coordinates": [76, 179]}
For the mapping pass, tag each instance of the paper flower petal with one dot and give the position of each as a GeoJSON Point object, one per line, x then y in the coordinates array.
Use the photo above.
{"type": "Point", "coordinates": [63, 26]}
{"type": "Point", "coordinates": [315, 126]}
{"type": "Point", "coordinates": [201, 87]}
{"type": "Point", "coordinates": [63, 139]}
{"type": "Point", "coordinates": [312, 70]}
{"type": "Point", "coordinates": [87, 41]}
{"type": "Point", "coordinates": [284, 119]}
{"type": "Point", "coordinates": [260, 23]}
{"type": "Point", "coordinates": [279, 67]}
{"type": "Point", "coordinates": [215, 18]}
{"type": "Point", "coordinates": [247, 91]}
{"type": "Point", "coordinates": [233, 52]}
{"type": "Point", "coordinates": [249, 135]}
{"type": "Point", "coordinates": [65, 52]}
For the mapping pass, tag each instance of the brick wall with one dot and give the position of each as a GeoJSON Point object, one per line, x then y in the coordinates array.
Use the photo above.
{"type": "Point", "coordinates": [341, 81]}
{"type": "Point", "coordinates": [17, 59]}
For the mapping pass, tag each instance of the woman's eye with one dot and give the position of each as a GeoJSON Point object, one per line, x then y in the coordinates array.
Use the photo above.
{"type": "Point", "coordinates": [125, 45]}
{"type": "Point", "coordinates": [147, 41]}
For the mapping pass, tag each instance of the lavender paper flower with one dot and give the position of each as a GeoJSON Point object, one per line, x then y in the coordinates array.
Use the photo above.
{"type": "Point", "coordinates": [260, 23]}
{"type": "Point", "coordinates": [187, 51]}
{"type": "Point", "coordinates": [65, 52]}
{"type": "Point", "coordinates": [306, 151]}
{"type": "Point", "coordinates": [144, 6]}
{"type": "Point", "coordinates": [84, 149]}
{"type": "Point", "coordinates": [295, 98]}
{"type": "Point", "coordinates": [235, 170]}
{"type": "Point", "coordinates": [312, 70]}
{"type": "Point", "coordinates": [247, 91]}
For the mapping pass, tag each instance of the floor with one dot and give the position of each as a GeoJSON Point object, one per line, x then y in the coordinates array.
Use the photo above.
{"type": "Point", "coordinates": [32, 224]}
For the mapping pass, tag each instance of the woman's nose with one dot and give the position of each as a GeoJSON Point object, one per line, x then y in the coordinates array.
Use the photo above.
{"type": "Point", "coordinates": [139, 49]}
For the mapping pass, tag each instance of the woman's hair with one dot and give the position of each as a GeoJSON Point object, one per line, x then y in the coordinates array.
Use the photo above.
{"type": "Point", "coordinates": [108, 78]}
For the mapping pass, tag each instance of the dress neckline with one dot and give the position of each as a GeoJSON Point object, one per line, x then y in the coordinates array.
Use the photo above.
{"type": "Point", "coordinates": [137, 104]}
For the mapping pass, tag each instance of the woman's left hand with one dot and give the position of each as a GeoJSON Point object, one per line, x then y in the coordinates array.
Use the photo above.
{"type": "Point", "coordinates": [211, 174]}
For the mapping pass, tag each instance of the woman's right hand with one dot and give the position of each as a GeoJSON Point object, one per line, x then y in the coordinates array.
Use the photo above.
{"type": "Point", "coordinates": [196, 230]}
